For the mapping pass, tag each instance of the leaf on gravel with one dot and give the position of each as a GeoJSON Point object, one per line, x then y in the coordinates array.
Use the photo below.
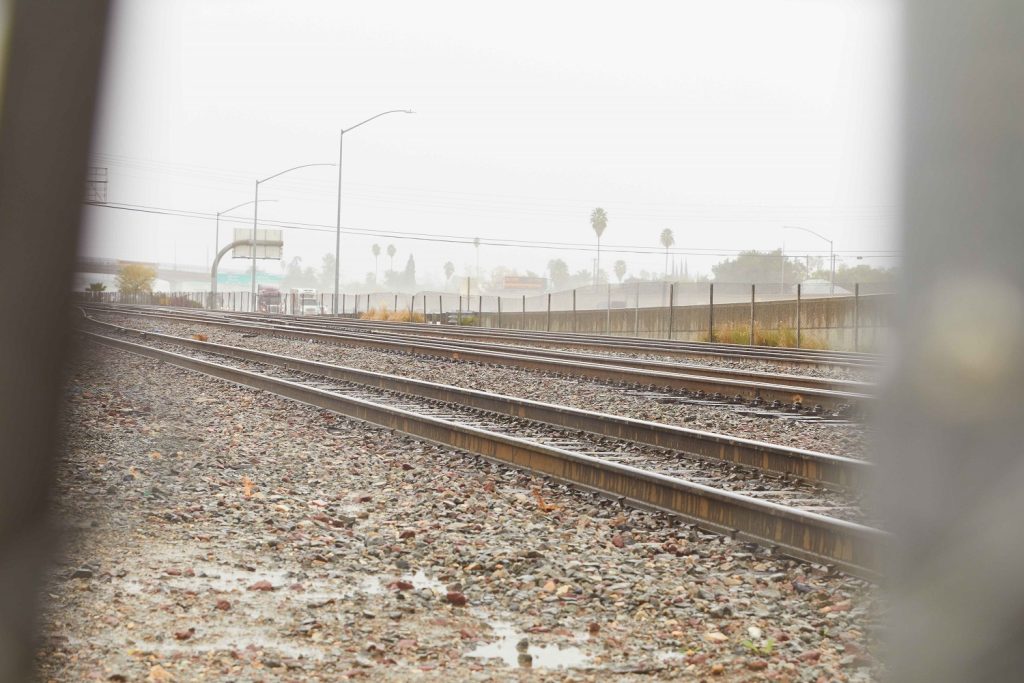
{"type": "Point", "coordinates": [541, 505]}
{"type": "Point", "coordinates": [200, 337]}
{"type": "Point", "coordinates": [246, 486]}
{"type": "Point", "coordinates": [158, 674]}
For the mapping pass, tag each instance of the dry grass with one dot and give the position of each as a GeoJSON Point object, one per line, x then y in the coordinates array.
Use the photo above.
{"type": "Point", "coordinates": [778, 336]}
{"type": "Point", "coordinates": [382, 313]}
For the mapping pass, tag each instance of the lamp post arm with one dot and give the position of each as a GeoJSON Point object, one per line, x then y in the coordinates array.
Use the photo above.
{"type": "Point", "coordinates": [221, 213]}
{"type": "Point", "coordinates": [289, 170]}
{"type": "Point", "coordinates": [390, 111]}
{"type": "Point", "coordinates": [797, 227]}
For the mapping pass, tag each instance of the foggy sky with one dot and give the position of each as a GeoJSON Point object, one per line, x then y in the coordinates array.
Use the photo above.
{"type": "Point", "coordinates": [720, 120]}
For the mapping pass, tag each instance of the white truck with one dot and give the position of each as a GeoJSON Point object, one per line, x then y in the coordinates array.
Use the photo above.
{"type": "Point", "coordinates": [305, 302]}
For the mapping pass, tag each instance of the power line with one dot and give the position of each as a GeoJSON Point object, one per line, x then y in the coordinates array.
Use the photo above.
{"type": "Point", "coordinates": [458, 239]}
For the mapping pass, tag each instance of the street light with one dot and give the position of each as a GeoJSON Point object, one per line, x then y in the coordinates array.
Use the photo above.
{"type": "Point", "coordinates": [831, 255]}
{"type": "Point", "coordinates": [337, 238]}
{"type": "Point", "coordinates": [255, 215]}
{"type": "Point", "coordinates": [216, 238]}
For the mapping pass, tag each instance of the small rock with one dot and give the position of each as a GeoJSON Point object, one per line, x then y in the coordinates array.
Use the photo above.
{"type": "Point", "coordinates": [456, 598]}
{"type": "Point", "coordinates": [261, 586]}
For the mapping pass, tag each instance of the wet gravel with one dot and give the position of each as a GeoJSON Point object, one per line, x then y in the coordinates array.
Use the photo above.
{"type": "Point", "coordinates": [219, 533]}
{"type": "Point", "coordinates": [848, 439]}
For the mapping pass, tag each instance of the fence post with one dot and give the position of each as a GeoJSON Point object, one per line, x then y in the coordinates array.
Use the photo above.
{"type": "Point", "coordinates": [752, 289]}
{"type": "Point", "coordinates": [395, 309]}
{"type": "Point", "coordinates": [549, 312]}
{"type": "Point", "coordinates": [460, 310]}
{"type": "Point", "coordinates": [711, 312]}
{"type": "Point", "coordinates": [608, 312]}
{"type": "Point", "coordinates": [440, 308]}
{"type": "Point", "coordinates": [480, 311]}
{"type": "Point", "coordinates": [636, 312]}
{"type": "Point", "coordinates": [798, 315]}
{"type": "Point", "coordinates": [523, 326]}
{"type": "Point", "coordinates": [367, 303]}
{"type": "Point", "coordinates": [671, 308]}
{"type": "Point", "coordinates": [424, 308]}
{"type": "Point", "coordinates": [856, 317]}
{"type": "Point", "coordinates": [575, 326]}
{"type": "Point", "coordinates": [499, 311]}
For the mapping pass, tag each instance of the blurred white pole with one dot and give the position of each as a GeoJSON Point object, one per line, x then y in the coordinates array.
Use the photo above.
{"type": "Point", "coordinates": [951, 449]}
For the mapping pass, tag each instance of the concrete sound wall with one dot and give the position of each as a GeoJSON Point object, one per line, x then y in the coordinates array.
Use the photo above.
{"type": "Point", "coordinates": [841, 323]}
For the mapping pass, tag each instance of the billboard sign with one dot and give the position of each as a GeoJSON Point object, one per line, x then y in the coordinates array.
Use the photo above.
{"type": "Point", "coordinates": [245, 250]}
{"type": "Point", "coordinates": [522, 282]}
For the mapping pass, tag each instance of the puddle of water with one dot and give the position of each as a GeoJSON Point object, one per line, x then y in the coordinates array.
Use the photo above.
{"type": "Point", "coordinates": [228, 638]}
{"type": "Point", "coordinates": [224, 578]}
{"type": "Point", "coordinates": [506, 648]}
{"type": "Point", "coordinates": [375, 585]}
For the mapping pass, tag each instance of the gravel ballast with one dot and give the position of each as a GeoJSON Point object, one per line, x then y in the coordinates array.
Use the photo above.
{"type": "Point", "coordinates": [221, 533]}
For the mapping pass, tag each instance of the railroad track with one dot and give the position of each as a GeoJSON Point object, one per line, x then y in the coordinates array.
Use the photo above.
{"type": "Point", "coordinates": [576, 447]}
{"type": "Point", "coordinates": [807, 396]}
{"type": "Point", "coordinates": [797, 358]}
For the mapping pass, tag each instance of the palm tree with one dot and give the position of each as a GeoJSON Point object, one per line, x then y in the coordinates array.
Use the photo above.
{"type": "Point", "coordinates": [667, 240]}
{"type": "Point", "coordinates": [620, 270]}
{"type": "Point", "coordinates": [95, 289]}
{"type": "Point", "coordinates": [376, 259]}
{"type": "Point", "coordinates": [391, 255]}
{"type": "Point", "coordinates": [449, 270]}
{"type": "Point", "coordinates": [598, 221]}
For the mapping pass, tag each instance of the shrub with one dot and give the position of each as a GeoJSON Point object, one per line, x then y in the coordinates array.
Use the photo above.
{"type": "Point", "coordinates": [780, 335]}
{"type": "Point", "coordinates": [382, 313]}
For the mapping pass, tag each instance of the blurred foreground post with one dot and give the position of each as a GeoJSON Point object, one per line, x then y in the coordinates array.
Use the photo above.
{"type": "Point", "coordinates": [51, 68]}
{"type": "Point", "coordinates": [953, 467]}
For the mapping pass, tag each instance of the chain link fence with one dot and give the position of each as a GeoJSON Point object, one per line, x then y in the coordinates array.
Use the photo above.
{"type": "Point", "coordinates": [813, 314]}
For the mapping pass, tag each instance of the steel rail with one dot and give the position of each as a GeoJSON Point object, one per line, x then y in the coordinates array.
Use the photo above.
{"type": "Point", "coordinates": [826, 384]}
{"type": "Point", "coordinates": [821, 468]}
{"type": "Point", "coordinates": [796, 357]}
{"type": "Point", "coordinates": [611, 372]}
{"type": "Point", "coordinates": [852, 547]}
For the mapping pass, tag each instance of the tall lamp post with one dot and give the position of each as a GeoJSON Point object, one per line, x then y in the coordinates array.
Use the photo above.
{"type": "Point", "coordinates": [337, 237]}
{"type": "Point", "coordinates": [255, 215]}
{"type": "Point", "coordinates": [831, 255]}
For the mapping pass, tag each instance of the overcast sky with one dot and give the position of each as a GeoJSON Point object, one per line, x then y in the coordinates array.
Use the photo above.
{"type": "Point", "coordinates": [720, 119]}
